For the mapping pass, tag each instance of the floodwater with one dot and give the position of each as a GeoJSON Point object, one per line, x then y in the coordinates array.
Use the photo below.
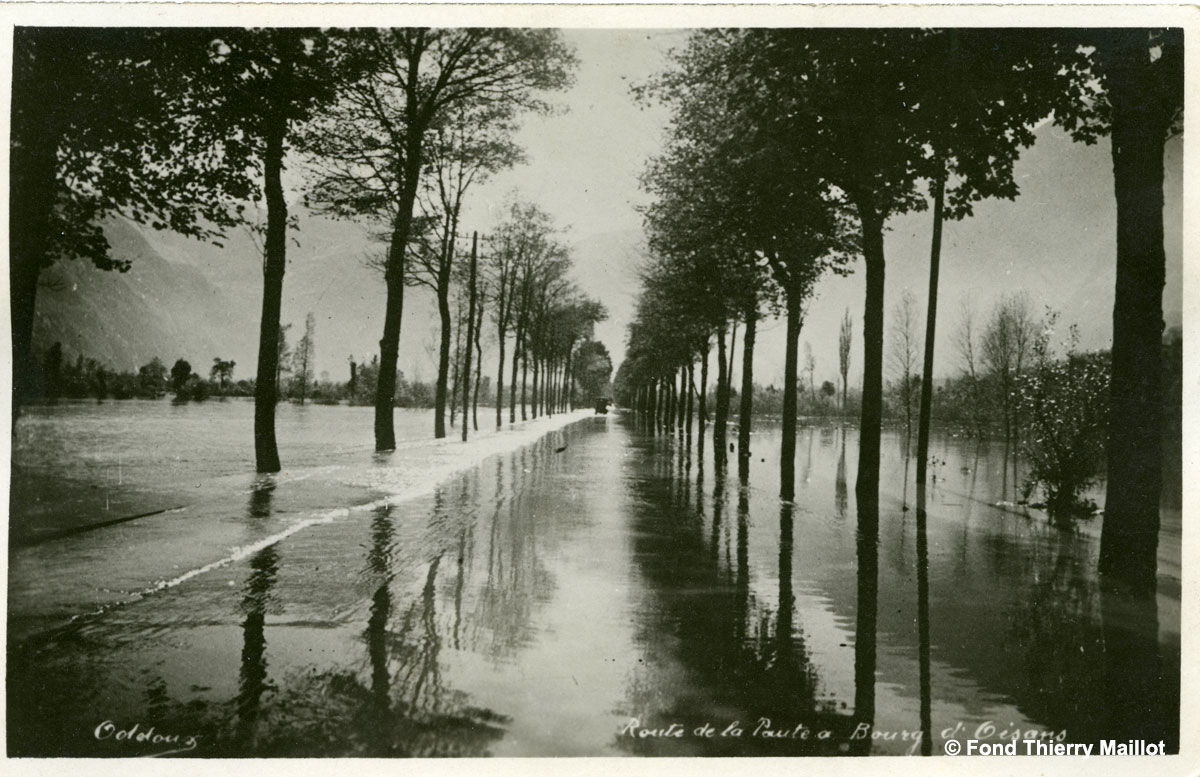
{"type": "Point", "coordinates": [602, 591]}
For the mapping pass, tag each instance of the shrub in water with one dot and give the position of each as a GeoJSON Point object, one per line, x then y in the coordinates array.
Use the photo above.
{"type": "Point", "coordinates": [1063, 404]}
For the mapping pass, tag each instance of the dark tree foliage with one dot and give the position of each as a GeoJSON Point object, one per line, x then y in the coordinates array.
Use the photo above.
{"type": "Point", "coordinates": [108, 121]}
{"type": "Point", "coordinates": [181, 371]}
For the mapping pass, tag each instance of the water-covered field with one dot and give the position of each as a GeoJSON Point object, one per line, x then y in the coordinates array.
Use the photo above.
{"type": "Point", "coordinates": [593, 589]}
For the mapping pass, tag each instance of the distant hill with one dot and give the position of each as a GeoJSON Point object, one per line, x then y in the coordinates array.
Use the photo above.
{"type": "Point", "coordinates": [155, 309]}
{"type": "Point", "coordinates": [327, 276]}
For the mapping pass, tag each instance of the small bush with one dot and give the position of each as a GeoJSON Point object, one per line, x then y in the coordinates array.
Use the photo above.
{"type": "Point", "coordinates": [1063, 404]}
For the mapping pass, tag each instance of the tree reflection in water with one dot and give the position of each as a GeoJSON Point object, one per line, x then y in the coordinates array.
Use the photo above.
{"type": "Point", "coordinates": [926, 691]}
{"type": "Point", "coordinates": [840, 493]}
{"type": "Point", "coordinates": [866, 609]}
{"type": "Point", "coordinates": [252, 679]}
{"type": "Point", "coordinates": [715, 647]}
{"type": "Point", "coordinates": [1143, 703]}
{"type": "Point", "coordinates": [404, 708]}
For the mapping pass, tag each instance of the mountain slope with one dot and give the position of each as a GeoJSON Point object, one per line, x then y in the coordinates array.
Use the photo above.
{"type": "Point", "coordinates": [156, 309]}
{"type": "Point", "coordinates": [327, 276]}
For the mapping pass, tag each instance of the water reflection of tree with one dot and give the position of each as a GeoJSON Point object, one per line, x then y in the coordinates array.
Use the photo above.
{"type": "Point", "coordinates": [866, 609]}
{"type": "Point", "coordinates": [1144, 695]}
{"type": "Point", "coordinates": [502, 622]}
{"type": "Point", "coordinates": [260, 496]}
{"type": "Point", "coordinates": [742, 657]}
{"type": "Point", "coordinates": [923, 626]}
{"type": "Point", "coordinates": [252, 677]}
{"type": "Point", "coordinates": [521, 523]}
{"type": "Point", "coordinates": [1090, 653]}
{"type": "Point", "coordinates": [402, 707]}
{"type": "Point", "coordinates": [808, 457]}
{"type": "Point", "coordinates": [840, 493]}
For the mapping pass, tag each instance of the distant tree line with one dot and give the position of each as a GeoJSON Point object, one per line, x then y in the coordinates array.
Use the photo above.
{"type": "Point", "coordinates": [57, 377]}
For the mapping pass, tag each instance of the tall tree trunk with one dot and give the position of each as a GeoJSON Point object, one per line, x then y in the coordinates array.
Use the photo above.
{"type": "Point", "coordinates": [456, 365]}
{"type": "Point", "coordinates": [691, 388]}
{"type": "Point", "coordinates": [33, 178]}
{"type": "Point", "coordinates": [478, 362]}
{"type": "Point", "coordinates": [533, 390]}
{"type": "Point", "coordinates": [564, 384]}
{"type": "Point", "coordinates": [747, 399]}
{"type": "Point", "coordinates": [518, 346]}
{"type": "Point", "coordinates": [787, 456]}
{"type": "Point", "coordinates": [935, 257]}
{"type": "Point", "coordinates": [678, 379]}
{"type": "Point", "coordinates": [440, 395]}
{"type": "Point", "coordinates": [569, 380]}
{"type": "Point", "coordinates": [703, 390]}
{"type": "Point", "coordinates": [1129, 538]}
{"type": "Point", "coordinates": [684, 397]}
{"type": "Point", "coordinates": [542, 369]}
{"type": "Point", "coordinates": [670, 419]}
{"type": "Point", "coordinates": [500, 379]}
{"type": "Point", "coordinates": [667, 387]}
{"type": "Point", "coordinates": [266, 451]}
{"type": "Point", "coordinates": [23, 272]}
{"type": "Point", "coordinates": [676, 398]}
{"type": "Point", "coordinates": [525, 383]}
{"type": "Point", "coordinates": [560, 387]}
{"type": "Point", "coordinates": [470, 329]}
{"type": "Point", "coordinates": [872, 397]}
{"type": "Point", "coordinates": [732, 354]}
{"type": "Point", "coordinates": [722, 415]}
{"type": "Point", "coordinates": [389, 344]}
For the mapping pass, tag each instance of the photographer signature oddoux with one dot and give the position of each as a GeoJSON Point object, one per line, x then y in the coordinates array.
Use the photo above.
{"type": "Point", "coordinates": [136, 734]}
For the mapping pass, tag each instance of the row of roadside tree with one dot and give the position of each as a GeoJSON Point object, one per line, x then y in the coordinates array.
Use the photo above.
{"type": "Point", "coordinates": [185, 128]}
{"type": "Point", "coordinates": [790, 149]}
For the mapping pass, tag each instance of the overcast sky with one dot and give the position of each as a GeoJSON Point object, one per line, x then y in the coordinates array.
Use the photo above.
{"type": "Point", "coordinates": [585, 161]}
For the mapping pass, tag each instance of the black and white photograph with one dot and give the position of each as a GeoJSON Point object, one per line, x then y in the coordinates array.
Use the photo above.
{"type": "Point", "coordinates": [525, 382]}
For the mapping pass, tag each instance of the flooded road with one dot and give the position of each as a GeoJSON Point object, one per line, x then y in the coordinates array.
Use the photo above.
{"type": "Point", "coordinates": [605, 592]}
